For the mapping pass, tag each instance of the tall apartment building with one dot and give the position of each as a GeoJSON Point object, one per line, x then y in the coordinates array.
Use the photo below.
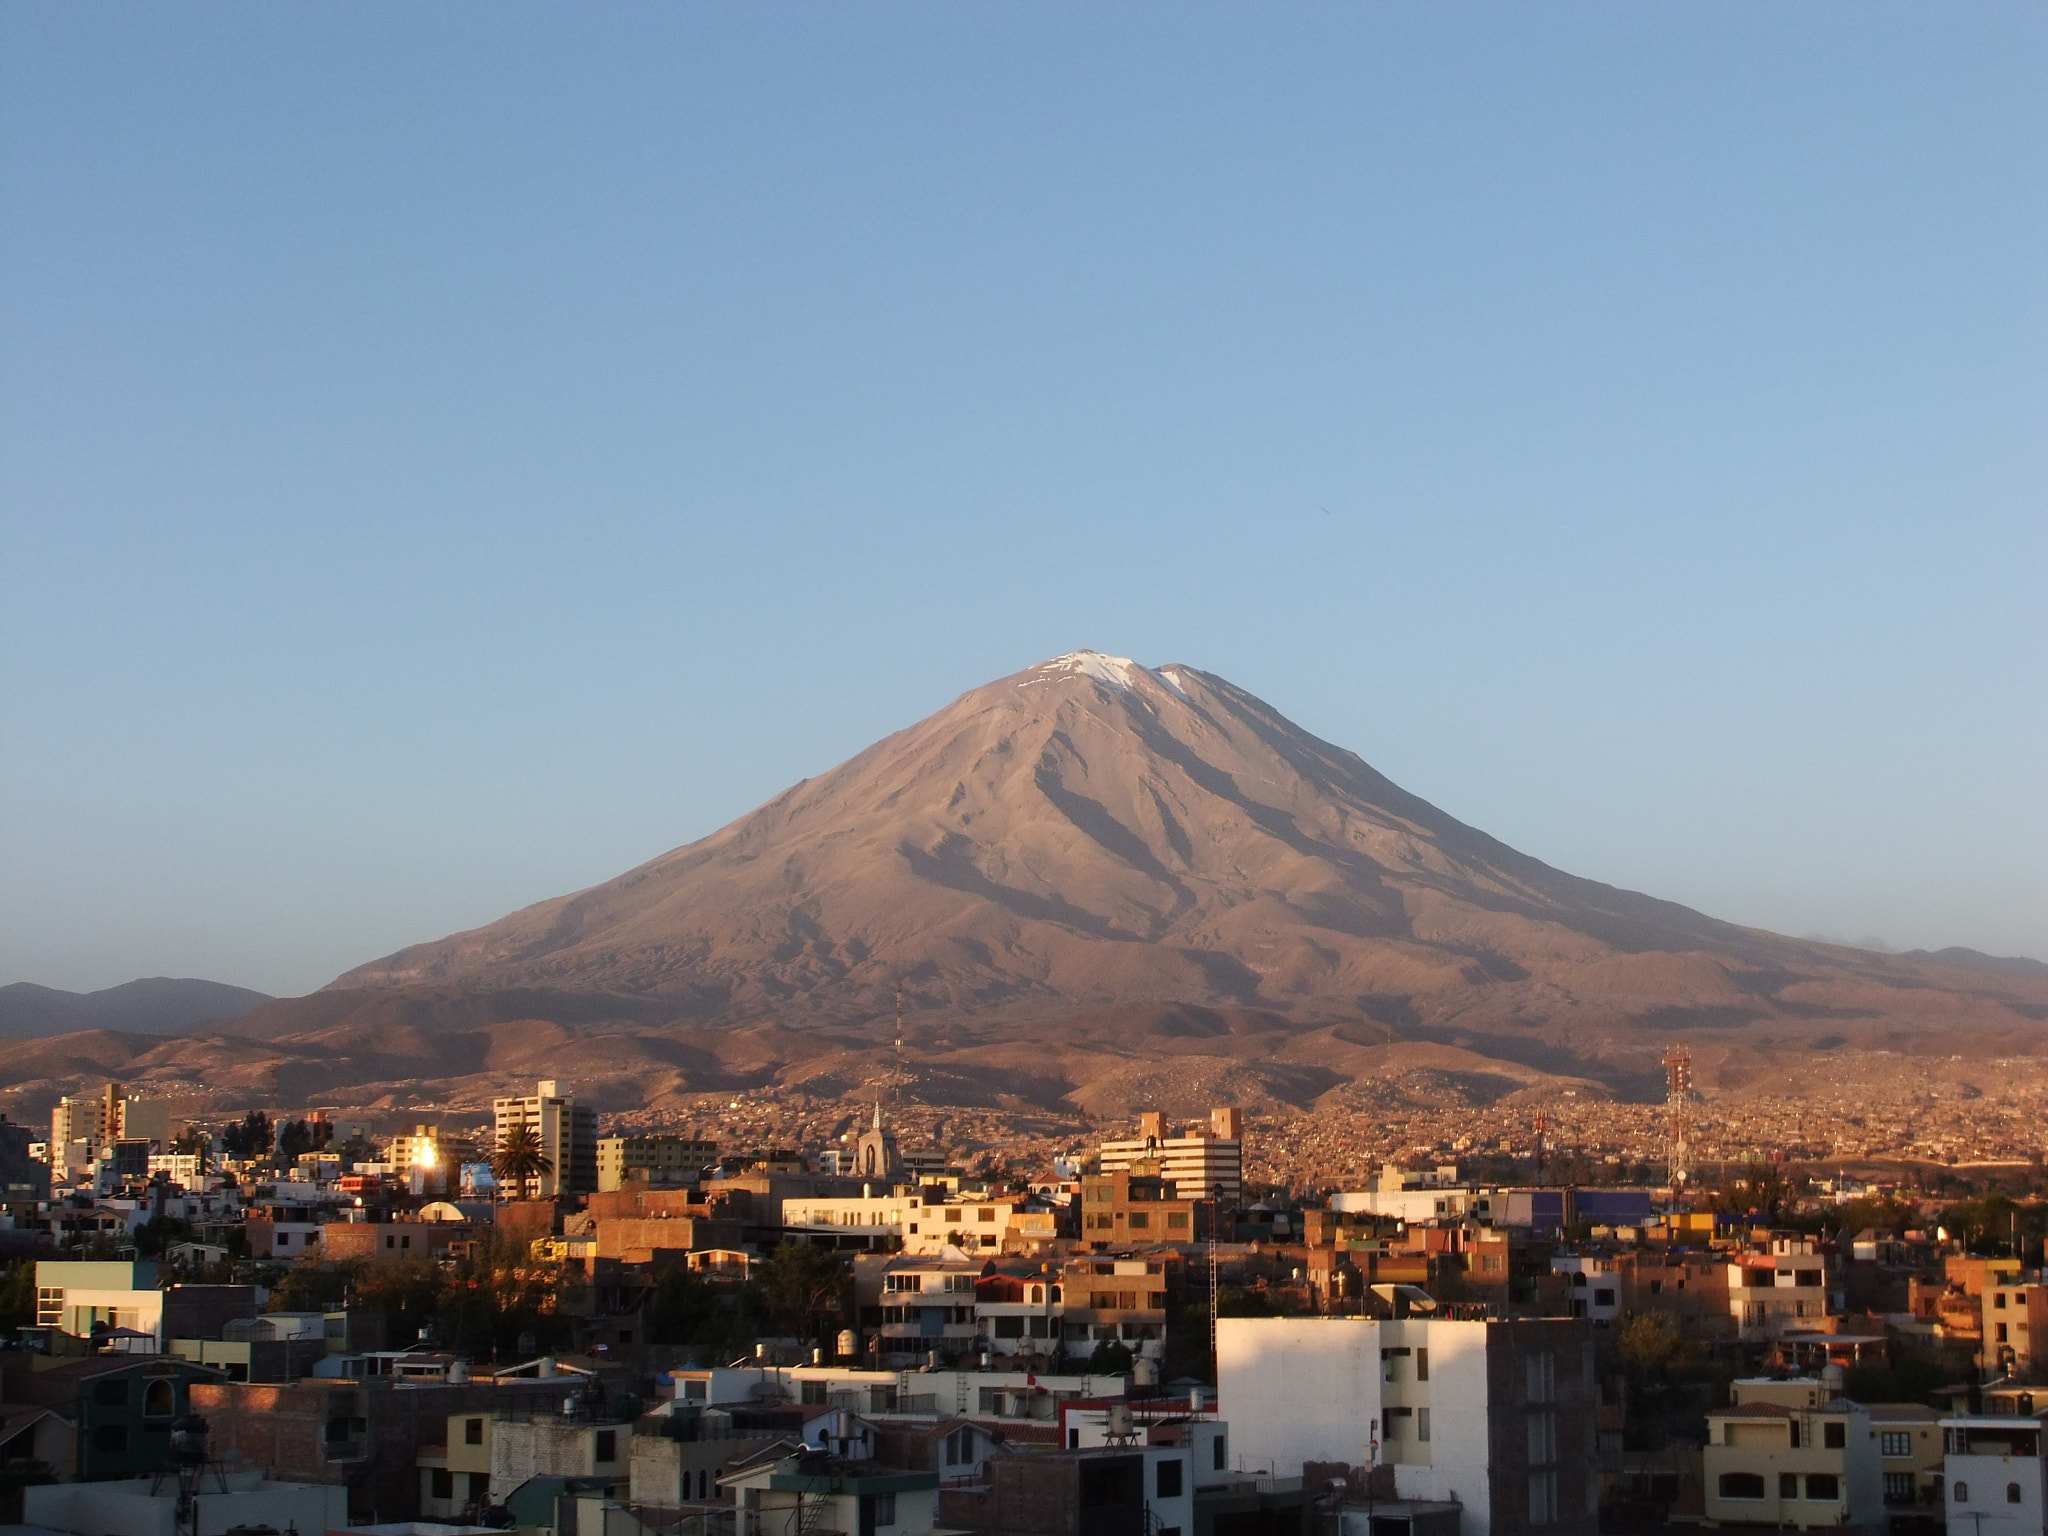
{"type": "Point", "coordinates": [1207, 1162]}
{"type": "Point", "coordinates": [568, 1137]}
{"type": "Point", "coordinates": [106, 1117]}
{"type": "Point", "coordinates": [1499, 1417]}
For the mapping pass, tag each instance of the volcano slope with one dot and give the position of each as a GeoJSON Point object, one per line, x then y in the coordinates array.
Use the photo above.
{"type": "Point", "coordinates": [1096, 882]}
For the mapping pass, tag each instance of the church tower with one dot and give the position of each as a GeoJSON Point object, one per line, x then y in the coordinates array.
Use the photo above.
{"type": "Point", "coordinates": [875, 1156]}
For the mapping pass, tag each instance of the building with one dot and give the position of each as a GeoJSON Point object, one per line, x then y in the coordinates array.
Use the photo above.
{"type": "Point", "coordinates": [1993, 1468]}
{"type": "Point", "coordinates": [1909, 1453]}
{"type": "Point", "coordinates": [359, 1434]}
{"type": "Point", "coordinates": [928, 1304]}
{"type": "Point", "coordinates": [1594, 1289]}
{"type": "Point", "coordinates": [660, 1162]}
{"type": "Point", "coordinates": [1120, 1301]}
{"type": "Point", "coordinates": [795, 1493]}
{"type": "Point", "coordinates": [567, 1132]}
{"type": "Point", "coordinates": [1497, 1416]}
{"type": "Point", "coordinates": [1018, 1314]}
{"type": "Point", "coordinates": [1203, 1164]}
{"type": "Point", "coordinates": [120, 1407]}
{"type": "Point", "coordinates": [2015, 1325]}
{"type": "Point", "coordinates": [1786, 1455]}
{"type": "Point", "coordinates": [876, 1156]}
{"type": "Point", "coordinates": [417, 1162]}
{"type": "Point", "coordinates": [1132, 1205]}
{"type": "Point", "coordinates": [107, 1117]}
{"type": "Point", "coordinates": [24, 1179]}
{"type": "Point", "coordinates": [1783, 1290]}
{"type": "Point", "coordinates": [81, 1298]}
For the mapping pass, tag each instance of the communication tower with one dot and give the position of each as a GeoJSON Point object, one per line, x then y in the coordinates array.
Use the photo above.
{"type": "Point", "coordinates": [1678, 1109]}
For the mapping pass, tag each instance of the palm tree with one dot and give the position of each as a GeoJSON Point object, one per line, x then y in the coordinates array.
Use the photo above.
{"type": "Point", "coordinates": [520, 1158]}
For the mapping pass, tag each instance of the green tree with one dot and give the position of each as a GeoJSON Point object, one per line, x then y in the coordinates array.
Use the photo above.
{"type": "Point", "coordinates": [1111, 1358]}
{"type": "Point", "coordinates": [496, 1294]}
{"type": "Point", "coordinates": [803, 1289]}
{"type": "Point", "coordinates": [1647, 1345]}
{"type": "Point", "coordinates": [17, 1296]}
{"type": "Point", "coordinates": [520, 1161]}
{"type": "Point", "coordinates": [250, 1137]}
{"type": "Point", "coordinates": [294, 1141]}
{"type": "Point", "coordinates": [685, 1308]}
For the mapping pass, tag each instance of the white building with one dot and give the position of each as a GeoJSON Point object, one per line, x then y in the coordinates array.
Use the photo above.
{"type": "Point", "coordinates": [74, 1296]}
{"type": "Point", "coordinates": [568, 1137]}
{"type": "Point", "coordinates": [1594, 1287]}
{"type": "Point", "coordinates": [1994, 1476]}
{"type": "Point", "coordinates": [1499, 1417]}
{"type": "Point", "coordinates": [1785, 1289]}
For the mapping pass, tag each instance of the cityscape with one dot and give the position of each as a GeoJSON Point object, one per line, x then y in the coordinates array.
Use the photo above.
{"type": "Point", "coordinates": [899, 769]}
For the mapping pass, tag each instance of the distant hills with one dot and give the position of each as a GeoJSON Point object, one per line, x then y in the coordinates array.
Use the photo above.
{"type": "Point", "coordinates": [155, 1005]}
{"type": "Point", "coordinates": [1100, 885]}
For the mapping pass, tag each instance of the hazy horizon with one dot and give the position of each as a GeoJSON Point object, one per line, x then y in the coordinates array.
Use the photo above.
{"type": "Point", "coordinates": [449, 457]}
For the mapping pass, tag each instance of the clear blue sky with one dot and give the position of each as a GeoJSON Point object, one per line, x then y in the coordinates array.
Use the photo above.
{"type": "Point", "coordinates": [451, 453]}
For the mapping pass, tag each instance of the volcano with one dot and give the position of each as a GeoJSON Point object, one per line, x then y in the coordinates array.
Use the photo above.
{"type": "Point", "coordinates": [1077, 873]}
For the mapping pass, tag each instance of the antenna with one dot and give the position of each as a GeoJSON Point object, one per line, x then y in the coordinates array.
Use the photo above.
{"type": "Point", "coordinates": [1677, 1106]}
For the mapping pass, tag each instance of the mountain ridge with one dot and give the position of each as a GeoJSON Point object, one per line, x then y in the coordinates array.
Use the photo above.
{"type": "Point", "coordinates": [149, 1005]}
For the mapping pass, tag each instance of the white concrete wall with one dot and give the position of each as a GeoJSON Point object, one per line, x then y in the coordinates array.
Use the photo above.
{"type": "Point", "coordinates": [1297, 1389]}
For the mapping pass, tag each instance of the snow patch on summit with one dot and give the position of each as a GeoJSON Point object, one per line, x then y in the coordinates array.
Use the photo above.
{"type": "Point", "coordinates": [1117, 671]}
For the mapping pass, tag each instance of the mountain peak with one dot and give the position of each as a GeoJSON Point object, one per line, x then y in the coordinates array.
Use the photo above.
{"type": "Point", "coordinates": [1117, 671]}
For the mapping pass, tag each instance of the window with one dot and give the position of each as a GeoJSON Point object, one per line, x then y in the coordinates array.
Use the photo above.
{"type": "Point", "coordinates": [479, 1487]}
{"type": "Point", "coordinates": [953, 1216]}
{"type": "Point", "coordinates": [110, 1394]}
{"type": "Point", "coordinates": [1140, 1219]}
{"type": "Point", "coordinates": [473, 1429]}
{"type": "Point", "coordinates": [2012, 1493]}
{"type": "Point", "coordinates": [1788, 1485]}
{"type": "Point", "coordinates": [1998, 1300]}
{"type": "Point", "coordinates": [110, 1438]}
{"type": "Point", "coordinates": [1168, 1483]}
{"type": "Point", "coordinates": [1823, 1487]}
{"type": "Point", "coordinates": [1603, 1298]}
{"type": "Point", "coordinates": [159, 1399]}
{"type": "Point", "coordinates": [885, 1509]}
{"type": "Point", "coordinates": [985, 1214]}
{"type": "Point", "coordinates": [607, 1445]}
{"type": "Point", "coordinates": [1422, 1424]}
{"type": "Point", "coordinates": [1962, 1492]}
{"type": "Point", "coordinates": [1792, 1431]}
{"type": "Point", "coordinates": [442, 1483]}
{"type": "Point", "coordinates": [1742, 1485]}
{"type": "Point", "coordinates": [1894, 1442]}
{"type": "Point", "coordinates": [1222, 1454]}
{"type": "Point", "coordinates": [1176, 1221]}
{"type": "Point", "coordinates": [1834, 1434]}
{"type": "Point", "coordinates": [1542, 1498]}
{"type": "Point", "coordinates": [1421, 1365]}
{"type": "Point", "coordinates": [1541, 1377]}
{"type": "Point", "coordinates": [1898, 1487]}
